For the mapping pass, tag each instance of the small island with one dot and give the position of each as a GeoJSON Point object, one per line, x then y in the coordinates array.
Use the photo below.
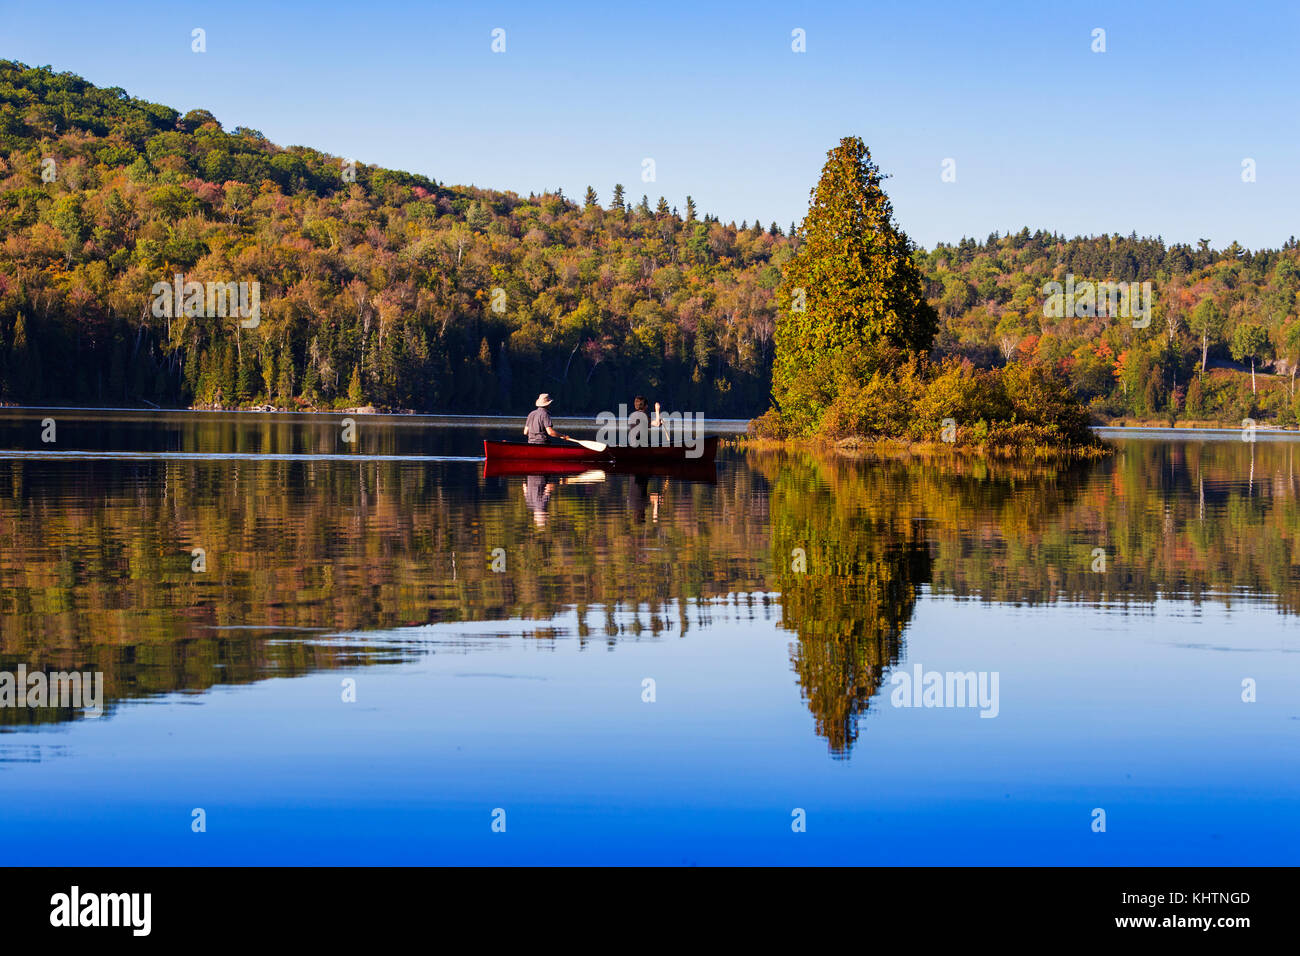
{"type": "Point", "coordinates": [853, 338]}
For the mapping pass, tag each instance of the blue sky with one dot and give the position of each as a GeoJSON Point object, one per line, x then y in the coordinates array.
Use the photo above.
{"type": "Point", "coordinates": [1148, 137]}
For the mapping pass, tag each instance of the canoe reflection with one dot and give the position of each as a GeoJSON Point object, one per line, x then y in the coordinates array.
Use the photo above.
{"type": "Point", "coordinates": [642, 497]}
{"type": "Point", "coordinates": [705, 472]}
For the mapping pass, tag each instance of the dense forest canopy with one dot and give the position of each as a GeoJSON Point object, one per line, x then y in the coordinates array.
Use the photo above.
{"type": "Point", "coordinates": [386, 288]}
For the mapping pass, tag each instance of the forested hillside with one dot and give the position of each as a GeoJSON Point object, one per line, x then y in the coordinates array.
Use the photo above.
{"type": "Point", "coordinates": [391, 289]}
{"type": "Point", "coordinates": [377, 291]}
{"type": "Point", "coordinates": [1230, 306]}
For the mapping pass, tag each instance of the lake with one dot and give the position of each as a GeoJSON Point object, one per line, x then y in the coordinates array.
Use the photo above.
{"type": "Point", "coordinates": [316, 651]}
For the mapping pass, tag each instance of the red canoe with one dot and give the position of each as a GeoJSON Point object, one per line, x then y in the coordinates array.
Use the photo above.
{"type": "Point", "coordinates": [521, 451]}
{"type": "Point", "coordinates": [695, 471]}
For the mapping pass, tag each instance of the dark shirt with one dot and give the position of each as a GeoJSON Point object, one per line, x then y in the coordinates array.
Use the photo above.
{"type": "Point", "coordinates": [539, 419]}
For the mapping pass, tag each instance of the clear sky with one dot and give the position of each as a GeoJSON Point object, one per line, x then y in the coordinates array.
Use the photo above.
{"type": "Point", "coordinates": [1148, 136]}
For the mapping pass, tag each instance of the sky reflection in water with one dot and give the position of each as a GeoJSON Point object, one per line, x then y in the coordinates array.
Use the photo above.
{"type": "Point", "coordinates": [523, 689]}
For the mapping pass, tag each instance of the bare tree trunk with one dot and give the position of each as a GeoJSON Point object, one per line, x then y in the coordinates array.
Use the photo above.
{"type": "Point", "coordinates": [568, 363]}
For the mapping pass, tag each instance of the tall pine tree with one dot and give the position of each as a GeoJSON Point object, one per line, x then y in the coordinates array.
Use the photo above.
{"type": "Point", "coordinates": [852, 284]}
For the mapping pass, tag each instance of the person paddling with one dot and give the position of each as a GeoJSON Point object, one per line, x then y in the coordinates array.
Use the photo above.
{"type": "Point", "coordinates": [655, 422]}
{"type": "Point", "coordinates": [640, 404]}
{"type": "Point", "coordinates": [538, 426]}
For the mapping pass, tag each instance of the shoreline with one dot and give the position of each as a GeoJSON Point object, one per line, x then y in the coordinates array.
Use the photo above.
{"type": "Point", "coordinates": [906, 448]}
{"type": "Point", "coordinates": [732, 426]}
{"type": "Point", "coordinates": [716, 426]}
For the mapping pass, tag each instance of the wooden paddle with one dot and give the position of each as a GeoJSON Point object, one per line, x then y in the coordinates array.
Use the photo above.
{"type": "Point", "coordinates": [586, 478]}
{"type": "Point", "coordinates": [589, 445]}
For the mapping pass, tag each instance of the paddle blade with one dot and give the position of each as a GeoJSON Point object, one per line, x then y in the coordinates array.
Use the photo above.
{"type": "Point", "coordinates": [586, 478]}
{"type": "Point", "coordinates": [590, 445]}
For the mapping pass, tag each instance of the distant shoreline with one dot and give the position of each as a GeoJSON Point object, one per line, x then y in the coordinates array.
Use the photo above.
{"type": "Point", "coordinates": [1269, 430]}
{"type": "Point", "coordinates": [458, 419]}
{"type": "Point", "coordinates": [731, 426]}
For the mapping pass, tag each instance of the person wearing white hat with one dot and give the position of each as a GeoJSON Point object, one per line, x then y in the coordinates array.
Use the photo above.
{"type": "Point", "coordinates": [538, 426]}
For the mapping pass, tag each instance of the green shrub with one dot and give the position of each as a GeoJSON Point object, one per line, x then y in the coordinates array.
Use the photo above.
{"type": "Point", "coordinates": [1041, 397]}
{"type": "Point", "coordinates": [963, 393]}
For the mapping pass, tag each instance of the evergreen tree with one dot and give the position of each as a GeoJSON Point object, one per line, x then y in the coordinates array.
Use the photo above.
{"type": "Point", "coordinates": [284, 383]}
{"type": "Point", "coordinates": [853, 283]}
{"type": "Point", "coordinates": [310, 384]}
{"type": "Point", "coordinates": [244, 372]}
{"type": "Point", "coordinates": [354, 387]}
{"type": "Point", "coordinates": [477, 217]}
{"type": "Point", "coordinates": [229, 375]}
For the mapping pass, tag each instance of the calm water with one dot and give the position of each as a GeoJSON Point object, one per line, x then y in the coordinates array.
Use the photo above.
{"type": "Point", "coordinates": [771, 610]}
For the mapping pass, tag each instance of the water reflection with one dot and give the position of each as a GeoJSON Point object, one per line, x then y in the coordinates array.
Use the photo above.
{"type": "Point", "coordinates": [96, 557]}
{"type": "Point", "coordinates": [640, 497]}
{"type": "Point", "coordinates": [537, 494]}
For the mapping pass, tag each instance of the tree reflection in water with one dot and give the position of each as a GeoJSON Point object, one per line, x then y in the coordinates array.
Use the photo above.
{"type": "Point", "coordinates": [95, 557]}
{"type": "Point", "coordinates": [850, 553]}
